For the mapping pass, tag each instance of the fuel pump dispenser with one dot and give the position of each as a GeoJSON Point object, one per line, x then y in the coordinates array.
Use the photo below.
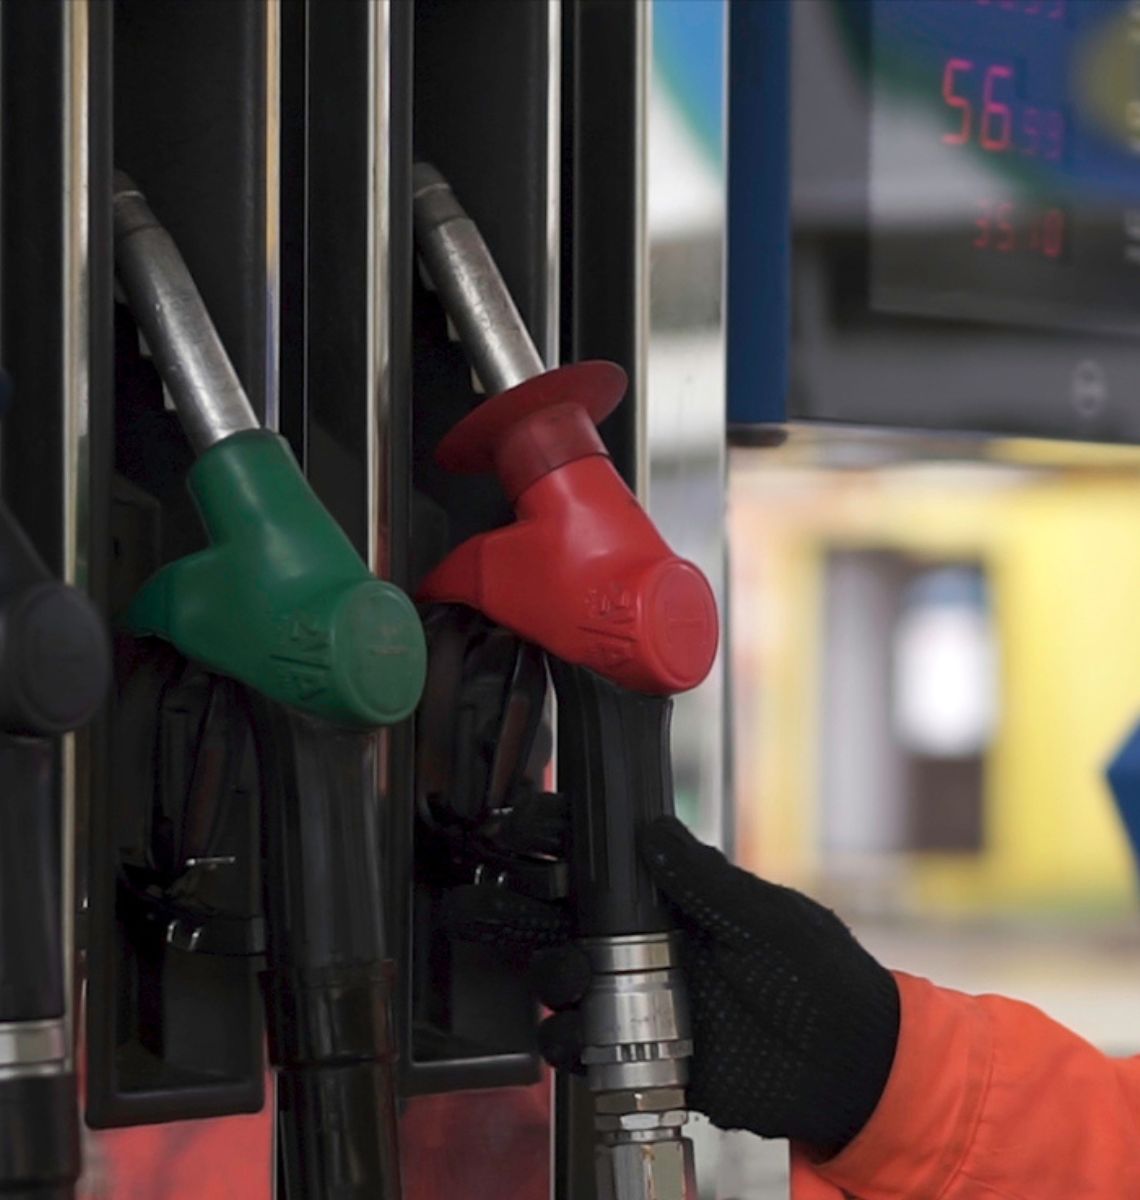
{"type": "Point", "coordinates": [252, 854]}
{"type": "Point", "coordinates": [282, 602]}
{"type": "Point", "coordinates": [54, 674]}
{"type": "Point", "coordinates": [624, 623]}
{"type": "Point", "coordinates": [251, 844]}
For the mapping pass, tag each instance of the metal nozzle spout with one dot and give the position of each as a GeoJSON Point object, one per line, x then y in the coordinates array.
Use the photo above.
{"type": "Point", "coordinates": [660, 1169]}
{"type": "Point", "coordinates": [473, 293]}
{"type": "Point", "coordinates": [637, 1044]}
{"type": "Point", "coordinates": [183, 342]}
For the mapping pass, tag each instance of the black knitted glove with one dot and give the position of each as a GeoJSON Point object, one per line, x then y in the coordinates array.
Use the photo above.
{"type": "Point", "coordinates": [794, 1024]}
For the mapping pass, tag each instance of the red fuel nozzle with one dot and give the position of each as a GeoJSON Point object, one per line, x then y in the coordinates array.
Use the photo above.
{"type": "Point", "coordinates": [583, 572]}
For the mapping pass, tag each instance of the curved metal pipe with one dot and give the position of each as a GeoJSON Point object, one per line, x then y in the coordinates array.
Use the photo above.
{"type": "Point", "coordinates": [208, 396]}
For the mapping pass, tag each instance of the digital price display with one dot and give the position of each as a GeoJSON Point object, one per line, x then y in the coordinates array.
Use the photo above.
{"type": "Point", "coordinates": [1004, 180]}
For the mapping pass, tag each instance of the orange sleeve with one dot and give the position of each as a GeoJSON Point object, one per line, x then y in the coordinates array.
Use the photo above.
{"type": "Point", "coordinates": [989, 1099]}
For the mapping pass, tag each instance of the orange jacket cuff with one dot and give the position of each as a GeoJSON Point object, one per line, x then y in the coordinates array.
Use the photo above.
{"type": "Point", "coordinates": [925, 1122]}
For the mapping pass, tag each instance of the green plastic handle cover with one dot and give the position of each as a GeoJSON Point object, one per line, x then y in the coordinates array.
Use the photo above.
{"type": "Point", "coordinates": [280, 599]}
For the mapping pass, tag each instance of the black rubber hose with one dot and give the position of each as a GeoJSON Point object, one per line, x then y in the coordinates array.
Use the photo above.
{"type": "Point", "coordinates": [328, 983]}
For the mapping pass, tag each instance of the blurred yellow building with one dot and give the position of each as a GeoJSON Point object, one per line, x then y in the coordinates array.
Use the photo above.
{"type": "Point", "coordinates": [1061, 556]}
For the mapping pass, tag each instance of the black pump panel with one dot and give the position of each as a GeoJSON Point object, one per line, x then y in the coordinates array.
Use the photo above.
{"type": "Point", "coordinates": [485, 90]}
{"type": "Point", "coordinates": [482, 118]}
{"type": "Point", "coordinates": [189, 80]}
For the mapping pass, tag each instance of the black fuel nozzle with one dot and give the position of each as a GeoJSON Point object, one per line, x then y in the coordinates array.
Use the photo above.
{"type": "Point", "coordinates": [55, 668]}
{"type": "Point", "coordinates": [55, 661]}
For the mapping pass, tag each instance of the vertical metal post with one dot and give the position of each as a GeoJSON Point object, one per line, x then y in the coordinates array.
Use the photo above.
{"type": "Point", "coordinates": [551, 349]}
{"type": "Point", "coordinates": [683, 453]}
{"type": "Point", "coordinates": [75, 471]}
{"type": "Point", "coordinates": [639, 250]}
{"type": "Point", "coordinates": [377, 349]}
{"type": "Point", "coordinates": [548, 341]}
{"type": "Point", "coordinates": [272, 414]}
{"type": "Point", "coordinates": [271, 418]}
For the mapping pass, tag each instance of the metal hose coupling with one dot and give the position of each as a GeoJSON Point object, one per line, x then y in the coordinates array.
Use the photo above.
{"type": "Point", "coordinates": [637, 1045]}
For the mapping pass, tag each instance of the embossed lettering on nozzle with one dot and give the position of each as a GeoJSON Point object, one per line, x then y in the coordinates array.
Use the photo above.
{"type": "Point", "coordinates": [472, 291]}
{"type": "Point", "coordinates": [637, 1045]}
{"type": "Point", "coordinates": [187, 351]}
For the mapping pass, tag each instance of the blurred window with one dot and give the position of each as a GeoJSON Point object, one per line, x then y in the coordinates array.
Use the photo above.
{"type": "Point", "coordinates": [910, 704]}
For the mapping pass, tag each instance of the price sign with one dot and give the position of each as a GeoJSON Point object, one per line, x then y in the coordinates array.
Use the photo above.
{"type": "Point", "coordinates": [1005, 167]}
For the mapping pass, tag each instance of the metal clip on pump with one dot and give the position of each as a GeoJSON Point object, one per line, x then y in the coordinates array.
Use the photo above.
{"type": "Point", "coordinates": [55, 669]}
{"type": "Point", "coordinates": [281, 601]}
{"type": "Point", "coordinates": [626, 623]}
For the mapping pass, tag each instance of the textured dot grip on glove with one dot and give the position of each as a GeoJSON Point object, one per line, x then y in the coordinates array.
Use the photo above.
{"type": "Point", "coordinates": [794, 1024]}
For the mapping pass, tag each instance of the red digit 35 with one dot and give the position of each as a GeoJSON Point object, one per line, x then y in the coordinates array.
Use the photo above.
{"type": "Point", "coordinates": [983, 221]}
{"type": "Point", "coordinates": [1055, 135]}
{"type": "Point", "coordinates": [1031, 127]}
{"type": "Point", "coordinates": [1053, 232]}
{"type": "Point", "coordinates": [1006, 240]}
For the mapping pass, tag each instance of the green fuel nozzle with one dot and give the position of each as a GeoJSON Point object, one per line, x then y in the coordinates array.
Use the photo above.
{"type": "Point", "coordinates": [280, 599]}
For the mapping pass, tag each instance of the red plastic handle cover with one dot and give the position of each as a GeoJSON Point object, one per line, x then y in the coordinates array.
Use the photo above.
{"type": "Point", "coordinates": [583, 572]}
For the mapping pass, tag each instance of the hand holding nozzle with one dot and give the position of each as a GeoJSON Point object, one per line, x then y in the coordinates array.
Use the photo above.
{"type": "Point", "coordinates": [794, 1024]}
{"type": "Point", "coordinates": [281, 600]}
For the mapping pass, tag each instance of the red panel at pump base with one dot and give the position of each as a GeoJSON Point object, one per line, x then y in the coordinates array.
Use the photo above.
{"type": "Point", "coordinates": [460, 1146]}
